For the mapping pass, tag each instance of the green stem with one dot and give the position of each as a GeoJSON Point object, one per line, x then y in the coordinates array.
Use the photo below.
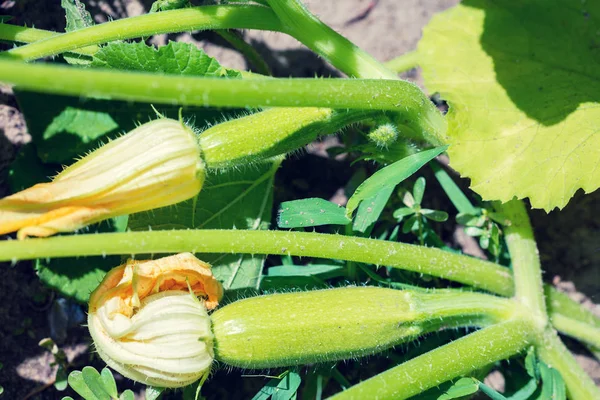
{"type": "Point", "coordinates": [430, 261]}
{"type": "Point", "coordinates": [525, 259]}
{"type": "Point", "coordinates": [22, 34]}
{"type": "Point", "coordinates": [577, 329]}
{"type": "Point", "coordinates": [404, 62]}
{"type": "Point", "coordinates": [187, 19]}
{"type": "Point", "coordinates": [460, 268]}
{"type": "Point", "coordinates": [247, 51]}
{"type": "Point", "coordinates": [455, 359]}
{"type": "Point", "coordinates": [403, 97]}
{"type": "Point", "coordinates": [326, 42]}
{"type": "Point", "coordinates": [554, 353]}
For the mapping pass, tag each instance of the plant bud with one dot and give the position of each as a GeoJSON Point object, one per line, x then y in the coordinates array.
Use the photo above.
{"type": "Point", "coordinates": [384, 135]}
{"type": "Point", "coordinates": [148, 324]}
{"type": "Point", "coordinates": [154, 165]}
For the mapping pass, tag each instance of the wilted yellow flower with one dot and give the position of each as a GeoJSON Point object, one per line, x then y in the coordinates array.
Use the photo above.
{"type": "Point", "coordinates": [147, 325]}
{"type": "Point", "coordinates": [154, 165]}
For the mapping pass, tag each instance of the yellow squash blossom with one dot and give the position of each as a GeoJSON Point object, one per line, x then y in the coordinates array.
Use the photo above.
{"type": "Point", "coordinates": [148, 324]}
{"type": "Point", "coordinates": [154, 165]}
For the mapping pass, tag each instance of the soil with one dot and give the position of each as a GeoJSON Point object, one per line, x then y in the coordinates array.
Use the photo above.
{"type": "Point", "coordinates": [568, 239]}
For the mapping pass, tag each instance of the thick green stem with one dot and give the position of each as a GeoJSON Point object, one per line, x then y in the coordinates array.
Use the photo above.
{"type": "Point", "coordinates": [326, 42]}
{"type": "Point", "coordinates": [429, 261]}
{"type": "Point", "coordinates": [460, 268]}
{"type": "Point", "coordinates": [187, 19]}
{"type": "Point", "coordinates": [404, 62]}
{"type": "Point", "coordinates": [404, 98]}
{"type": "Point", "coordinates": [572, 318]}
{"type": "Point", "coordinates": [337, 324]}
{"type": "Point", "coordinates": [525, 259]}
{"type": "Point", "coordinates": [455, 359]}
{"type": "Point", "coordinates": [22, 34]}
{"type": "Point", "coordinates": [554, 353]}
{"type": "Point", "coordinates": [578, 329]}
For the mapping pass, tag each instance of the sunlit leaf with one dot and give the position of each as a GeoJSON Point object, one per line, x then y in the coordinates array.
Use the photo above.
{"type": "Point", "coordinates": [524, 100]}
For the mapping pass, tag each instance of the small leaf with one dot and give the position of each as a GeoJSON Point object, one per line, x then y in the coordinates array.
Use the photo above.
{"type": "Point", "coordinates": [304, 270]}
{"type": "Point", "coordinates": [553, 386]}
{"type": "Point", "coordinates": [283, 388]}
{"type": "Point", "coordinates": [76, 14]}
{"type": "Point", "coordinates": [174, 58]}
{"type": "Point", "coordinates": [77, 18]}
{"type": "Point", "coordinates": [525, 392]}
{"type": "Point", "coordinates": [474, 231]}
{"type": "Point", "coordinates": [470, 219]}
{"type": "Point", "coordinates": [434, 215]}
{"type": "Point", "coordinates": [391, 176]}
{"type": "Point", "coordinates": [408, 199]}
{"type": "Point", "coordinates": [531, 364]}
{"type": "Point", "coordinates": [78, 384]}
{"type": "Point", "coordinates": [484, 241]}
{"type": "Point", "coordinates": [460, 388]}
{"type": "Point", "coordinates": [127, 395]}
{"type": "Point", "coordinates": [61, 380]}
{"type": "Point", "coordinates": [152, 393]}
{"type": "Point", "coordinates": [310, 212]}
{"type": "Point", "coordinates": [92, 379]}
{"type": "Point", "coordinates": [370, 209]}
{"type": "Point", "coordinates": [108, 382]}
{"type": "Point", "coordinates": [411, 224]}
{"type": "Point", "coordinates": [456, 196]}
{"type": "Point", "coordinates": [403, 212]}
{"type": "Point", "coordinates": [419, 190]}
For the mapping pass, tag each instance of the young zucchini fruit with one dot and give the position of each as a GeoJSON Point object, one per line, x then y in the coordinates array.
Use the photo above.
{"type": "Point", "coordinates": [148, 324]}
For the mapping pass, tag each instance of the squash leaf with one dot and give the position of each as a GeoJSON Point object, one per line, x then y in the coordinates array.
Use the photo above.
{"type": "Point", "coordinates": [523, 83]}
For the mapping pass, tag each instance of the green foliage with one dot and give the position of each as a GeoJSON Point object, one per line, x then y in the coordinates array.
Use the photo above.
{"type": "Point", "coordinates": [282, 387]}
{"type": "Point", "coordinates": [415, 217]}
{"type": "Point", "coordinates": [390, 176]}
{"type": "Point", "coordinates": [77, 277]}
{"type": "Point", "coordinates": [174, 58]}
{"type": "Point", "coordinates": [228, 200]}
{"type": "Point", "coordinates": [310, 212]}
{"type": "Point", "coordinates": [523, 100]}
{"type": "Point", "coordinates": [76, 15]}
{"type": "Point", "coordinates": [92, 385]}
{"type": "Point", "coordinates": [77, 18]}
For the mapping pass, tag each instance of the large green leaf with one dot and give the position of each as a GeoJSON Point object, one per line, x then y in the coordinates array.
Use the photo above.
{"type": "Point", "coordinates": [523, 83]}
{"type": "Point", "coordinates": [228, 200]}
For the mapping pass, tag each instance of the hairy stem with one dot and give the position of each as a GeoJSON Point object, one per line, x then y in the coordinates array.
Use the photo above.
{"type": "Point", "coordinates": [402, 97]}
{"type": "Point", "coordinates": [525, 259]}
{"type": "Point", "coordinates": [183, 20]}
{"type": "Point", "coordinates": [458, 358]}
{"type": "Point", "coordinates": [554, 353]}
{"type": "Point", "coordinates": [456, 267]}
{"type": "Point", "coordinates": [326, 42]}
{"type": "Point", "coordinates": [23, 34]}
{"type": "Point", "coordinates": [430, 261]}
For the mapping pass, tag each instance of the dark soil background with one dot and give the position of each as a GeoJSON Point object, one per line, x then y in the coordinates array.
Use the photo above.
{"type": "Point", "coordinates": [569, 240]}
